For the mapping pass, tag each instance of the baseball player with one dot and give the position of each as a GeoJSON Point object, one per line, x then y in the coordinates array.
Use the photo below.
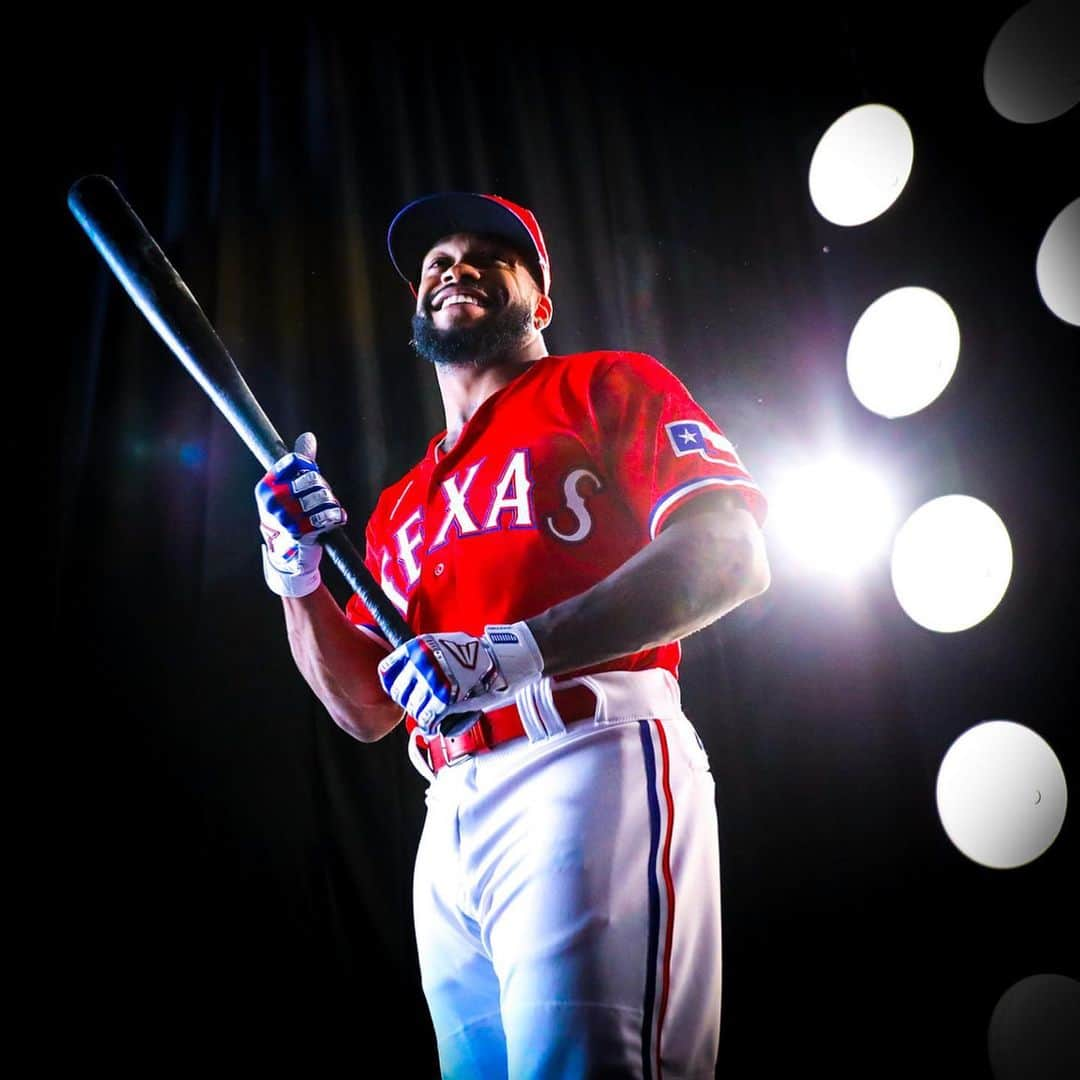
{"type": "Point", "coordinates": [578, 516]}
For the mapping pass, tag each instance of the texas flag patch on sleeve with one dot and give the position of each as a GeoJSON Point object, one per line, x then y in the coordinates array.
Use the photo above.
{"type": "Point", "coordinates": [694, 437]}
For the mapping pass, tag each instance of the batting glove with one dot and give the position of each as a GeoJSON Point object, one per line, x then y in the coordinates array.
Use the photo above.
{"type": "Point", "coordinates": [434, 675]}
{"type": "Point", "coordinates": [296, 506]}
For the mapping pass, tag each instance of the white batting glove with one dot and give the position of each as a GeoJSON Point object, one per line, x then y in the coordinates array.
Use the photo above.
{"type": "Point", "coordinates": [296, 506]}
{"type": "Point", "coordinates": [434, 675]}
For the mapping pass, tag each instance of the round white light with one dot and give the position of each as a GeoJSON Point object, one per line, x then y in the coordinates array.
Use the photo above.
{"type": "Point", "coordinates": [951, 563]}
{"type": "Point", "coordinates": [831, 537]}
{"type": "Point", "coordinates": [1001, 794]}
{"type": "Point", "coordinates": [1032, 63]}
{"type": "Point", "coordinates": [903, 351]}
{"type": "Point", "coordinates": [861, 164]}
{"type": "Point", "coordinates": [1057, 266]}
{"type": "Point", "coordinates": [1035, 1030]}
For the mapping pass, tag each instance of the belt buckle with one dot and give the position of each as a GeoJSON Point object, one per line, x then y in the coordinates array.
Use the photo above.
{"type": "Point", "coordinates": [449, 761]}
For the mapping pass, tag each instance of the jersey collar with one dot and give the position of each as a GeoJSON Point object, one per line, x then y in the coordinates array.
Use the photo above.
{"type": "Point", "coordinates": [435, 454]}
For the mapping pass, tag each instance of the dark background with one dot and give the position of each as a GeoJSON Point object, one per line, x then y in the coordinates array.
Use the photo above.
{"type": "Point", "coordinates": [218, 874]}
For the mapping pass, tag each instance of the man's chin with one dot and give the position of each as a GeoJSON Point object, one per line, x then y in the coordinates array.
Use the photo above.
{"type": "Point", "coordinates": [478, 345]}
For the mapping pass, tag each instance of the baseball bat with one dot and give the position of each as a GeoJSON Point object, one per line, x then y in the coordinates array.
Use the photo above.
{"type": "Point", "coordinates": [161, 295]}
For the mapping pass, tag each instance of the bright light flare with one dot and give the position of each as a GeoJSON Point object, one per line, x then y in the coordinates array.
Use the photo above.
{"type": "Point", "coordinates": [861, 164]}
{"type": "Point", "coordinates": [832, 518]}
{"type": "Point", "coordinates": [951, 563]}
{"type": "Point", "coordinates": [903, 351]}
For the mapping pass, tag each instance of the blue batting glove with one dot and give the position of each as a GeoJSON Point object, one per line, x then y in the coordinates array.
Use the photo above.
{"type": "Point", "coordinates": [296, 506]}
{"type": "Point", "coordinates": [433, 675]}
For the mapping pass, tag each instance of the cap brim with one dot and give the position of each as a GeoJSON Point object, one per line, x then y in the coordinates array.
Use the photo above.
{"type": "Point", "coordinates": [418, 226]}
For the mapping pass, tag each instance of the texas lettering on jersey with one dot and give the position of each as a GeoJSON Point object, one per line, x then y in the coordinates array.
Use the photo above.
{"type": "Point", "coordinates": [556, 480]}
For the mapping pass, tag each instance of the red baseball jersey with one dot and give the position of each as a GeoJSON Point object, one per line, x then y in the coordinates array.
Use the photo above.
{"type": "Point", "coordinates": [556, 480]}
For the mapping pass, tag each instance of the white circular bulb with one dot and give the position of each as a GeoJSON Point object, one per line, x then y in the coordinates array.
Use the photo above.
{"type": "Point", "coordinates": [1001, 794]}
{"type": "Point", "coordinates": [903, 351]}
{"type": "Point", "coordinates": [1057, 266]}
{"type": "Point", "coordinates": [1030, 73]}
{"type": "Point", "coordinates": [951, 563]}
{"type": "Point", "coordinates": [1035, 1030]}
{"type": "Point", "coordinates": [861, 165]}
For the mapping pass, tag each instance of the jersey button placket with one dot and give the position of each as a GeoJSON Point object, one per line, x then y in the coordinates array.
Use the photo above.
{"type": "Point", "coordinates": [437, 564]}
{"type": "Point", "coordinates": [434, 565]}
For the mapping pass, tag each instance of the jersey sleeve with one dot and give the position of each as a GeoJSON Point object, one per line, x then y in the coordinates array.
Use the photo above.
{"type": "Point", "coordinates": [660, 446]}
{"type": "Point", "coordinates": [356, 611]}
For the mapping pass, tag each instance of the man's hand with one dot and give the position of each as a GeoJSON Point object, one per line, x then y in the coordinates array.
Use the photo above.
{"type": "Point", "coordinates": [433, 675]}
{"type": "Point", "coordinates": [295, 506]}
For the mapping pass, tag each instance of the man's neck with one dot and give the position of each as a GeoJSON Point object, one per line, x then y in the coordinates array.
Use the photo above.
{"type": "Point", "coordinates": [464, 389]}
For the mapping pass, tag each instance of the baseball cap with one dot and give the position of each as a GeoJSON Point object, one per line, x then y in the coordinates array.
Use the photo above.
{"type": "Point", "coordinates": [417, 226]}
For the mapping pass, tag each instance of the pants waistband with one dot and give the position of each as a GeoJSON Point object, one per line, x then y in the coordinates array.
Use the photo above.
{"type": "Point", "coordinates": [547, 707]}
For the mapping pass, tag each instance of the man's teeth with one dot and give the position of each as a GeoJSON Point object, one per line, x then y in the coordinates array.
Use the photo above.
{"type": "Point", "coordinates": [460, 300]}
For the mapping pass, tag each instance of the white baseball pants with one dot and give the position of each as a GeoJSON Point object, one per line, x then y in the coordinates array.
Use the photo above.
{"type": "Point", "coordinates": [567, 895]}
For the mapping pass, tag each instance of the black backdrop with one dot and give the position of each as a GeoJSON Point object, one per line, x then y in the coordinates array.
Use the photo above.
{"type": "Point", "coordinates": [217, 872]}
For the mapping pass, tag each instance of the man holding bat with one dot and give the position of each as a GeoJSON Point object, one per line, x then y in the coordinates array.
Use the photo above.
{"type": "Point", "coordinates": [578, 516]}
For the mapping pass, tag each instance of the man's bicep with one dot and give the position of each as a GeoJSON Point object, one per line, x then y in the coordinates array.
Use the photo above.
{"type": "Point", "coordinates": [728, 517]}
{"type": "Point", "coordinates": [726, 506]}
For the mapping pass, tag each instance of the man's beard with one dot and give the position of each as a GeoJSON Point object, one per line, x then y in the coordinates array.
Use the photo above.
{"type": "Point", "coordinates": [473, 346]}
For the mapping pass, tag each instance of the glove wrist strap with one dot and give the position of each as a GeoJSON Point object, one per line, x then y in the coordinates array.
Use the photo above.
{"type": "Point", "coordinates": [302, 584]}
{"type": "Point", "coordinates": [516, 653]}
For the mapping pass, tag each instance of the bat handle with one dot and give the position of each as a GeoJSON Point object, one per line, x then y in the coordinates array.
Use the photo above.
{"type": "Point", "coordinates": [394, 627]}
{"type": "Point", "coordinates": [351, 564]}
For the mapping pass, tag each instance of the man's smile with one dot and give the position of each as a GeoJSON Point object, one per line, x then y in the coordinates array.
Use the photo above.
{"type": "Point", "coordinates": [458, 295]}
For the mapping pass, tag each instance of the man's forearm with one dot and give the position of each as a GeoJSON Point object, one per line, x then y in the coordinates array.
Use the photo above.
{"type": "Point", "coordinates": [339, 664]}
{"type": "Point", "coordinates": [696, 570]}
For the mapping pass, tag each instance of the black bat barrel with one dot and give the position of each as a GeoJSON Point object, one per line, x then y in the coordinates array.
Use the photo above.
{"type": "Point", "coordinates": [161, 295]}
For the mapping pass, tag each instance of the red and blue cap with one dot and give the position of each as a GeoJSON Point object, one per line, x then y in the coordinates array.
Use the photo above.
{"type": "Point", "coordinates": [420, 224]}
